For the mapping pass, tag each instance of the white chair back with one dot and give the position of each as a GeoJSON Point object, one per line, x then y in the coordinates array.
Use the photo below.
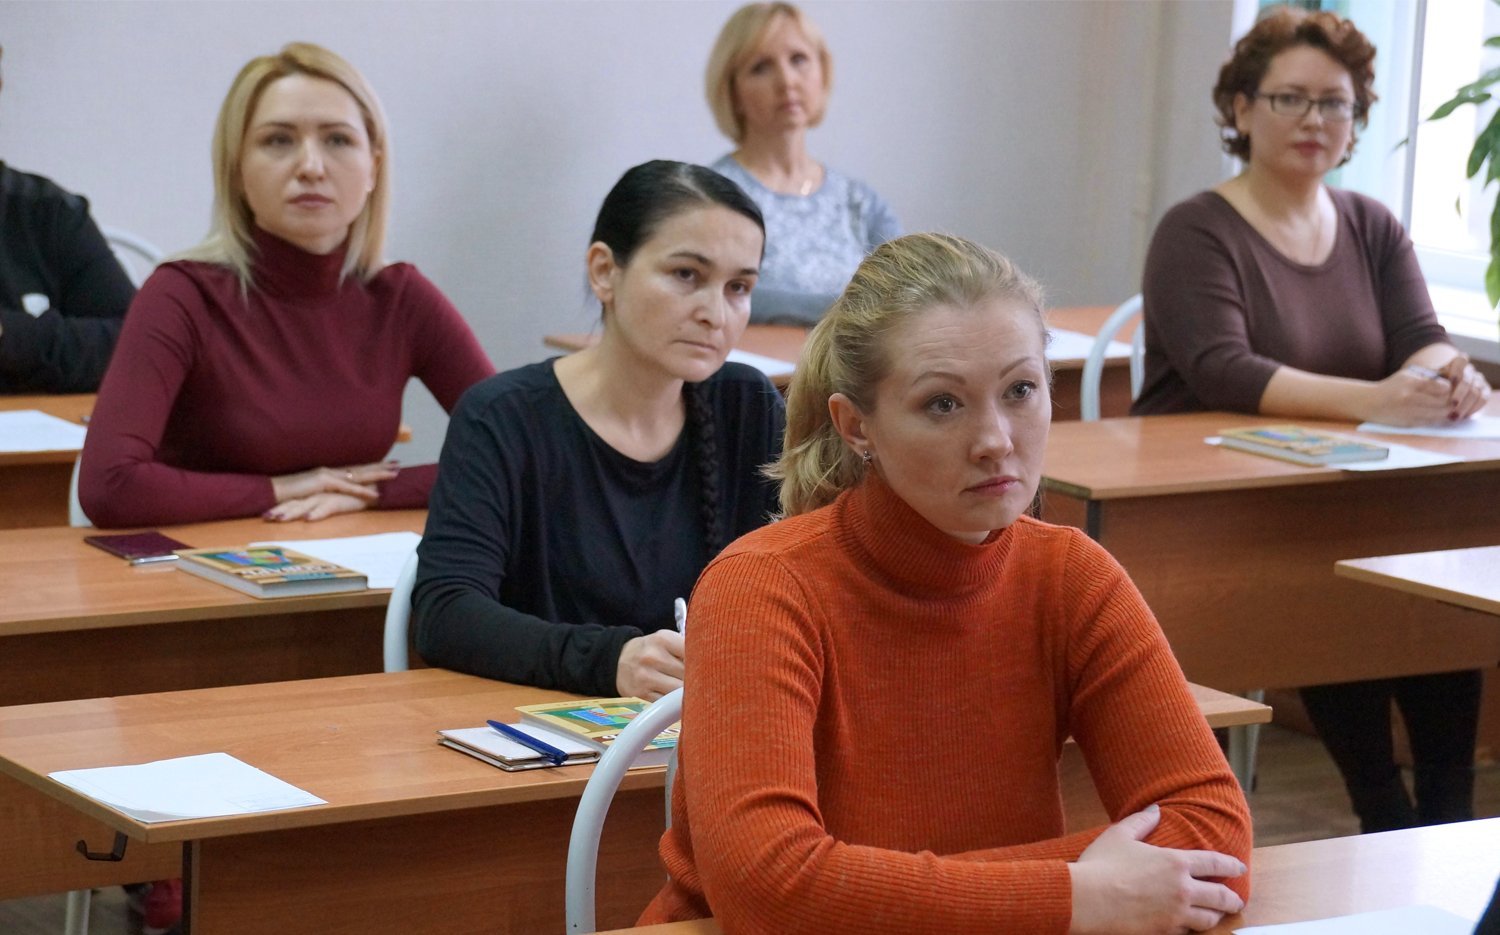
{"type": "Point", "coordinates": [76, 517]}
{"type": "Point", "coordinates": [138, 256]}
{"type": "Point", "coordinates": [593, 805]}
{"type": "Point", "coordinates": [398, 618]}
{"type": "Point", "coordinates": [1093, 368]}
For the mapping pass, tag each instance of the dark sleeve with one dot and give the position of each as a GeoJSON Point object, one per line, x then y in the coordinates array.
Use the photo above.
{"type": "Point", "coordinates": [1406, 313]}
{"type": "Point", "coordinates": [448, 360]}
{"type": "Point", "coordinates": [66, 349]}
{"type": "Point", "coordinates": [1195, 311]}
{"type": "Point", "coordinates": [474, 527]}
{"type": "Point", "coordinates": [121, 482]}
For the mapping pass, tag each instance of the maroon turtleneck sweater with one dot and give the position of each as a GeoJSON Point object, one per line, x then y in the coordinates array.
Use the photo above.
{"type": "Point", "coordinates": [211, 393]}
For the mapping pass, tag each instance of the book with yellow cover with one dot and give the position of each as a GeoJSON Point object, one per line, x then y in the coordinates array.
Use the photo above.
{"type": "Point", "coordinates": [1301, 445]}
{"type": "Point", "coordinates": [598, 721]}
{"type": "Point", "coordinates": [270, 571]}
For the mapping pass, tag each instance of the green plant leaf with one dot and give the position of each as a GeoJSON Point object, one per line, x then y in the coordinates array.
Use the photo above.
{"type": "Point", "coordinates": [1459, 100]}
{"type": "Point", "coordinates": [1486, 146]}
{"type": "Point", "coordinates": [1492, 282]}
{"type": "Point", "coordinates": [1484, 81]}
{"type": "Point", "coordinates": [1493, 41]}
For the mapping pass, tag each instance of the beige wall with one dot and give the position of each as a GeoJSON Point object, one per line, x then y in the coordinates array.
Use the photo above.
{"type": "Point", "coordinates": [1055, 130]}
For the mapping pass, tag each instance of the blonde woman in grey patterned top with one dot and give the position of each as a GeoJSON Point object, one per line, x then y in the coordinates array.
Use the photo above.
{"type": "Point", "coordinates": [768, 80]}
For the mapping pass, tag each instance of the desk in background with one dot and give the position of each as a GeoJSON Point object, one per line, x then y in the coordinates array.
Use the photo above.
{"type": "Point", "coordinates": [414, 837]}
{"type": "Point", "coordinates": [1233, 551]}
{"type": "Point", "coordinates": [1452, 867]}
{"type": "Point", "coordinates": [784, 342]}
{"type": "Point", "coordinates": [77, 622]}
{"type": "Point", "coordinates": [1463, 577]}
{"type": "Point", "coordinates": [34, 484]}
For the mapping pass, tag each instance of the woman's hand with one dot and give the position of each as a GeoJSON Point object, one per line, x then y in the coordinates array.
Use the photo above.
{"type": "Point", "coordinates": [356, 480]}
{"type": "Point", "coordinates": [650, 665]}
{"type": "Point", "coordinates": [1124, 886]}
{"type": "Point", "coordinates": [1410, 396]}
{"type": "Point", "coordinates": [1470, 389]}
{"type": "Point", "coordinates": [318, 506]}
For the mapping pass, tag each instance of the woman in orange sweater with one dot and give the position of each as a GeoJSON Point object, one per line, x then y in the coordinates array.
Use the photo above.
{"type": "Point", "coordinates": [880, 685]}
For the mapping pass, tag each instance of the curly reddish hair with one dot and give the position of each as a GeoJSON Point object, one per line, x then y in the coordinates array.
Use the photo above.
{"type": "Point", "coordinates": [1283, 28]}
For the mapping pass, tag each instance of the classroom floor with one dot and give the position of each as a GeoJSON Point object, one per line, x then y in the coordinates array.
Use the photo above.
{"type": "Point", "coordinates": [1298, 797]}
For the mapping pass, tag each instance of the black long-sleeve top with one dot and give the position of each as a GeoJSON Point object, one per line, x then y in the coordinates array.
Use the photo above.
{"type": "Point", "coordinates": [546, 549]}
{"type": "Point", "coordinates": [63, 294]}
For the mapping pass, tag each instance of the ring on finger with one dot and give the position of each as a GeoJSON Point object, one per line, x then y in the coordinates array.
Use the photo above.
{"type": "Point", "coordinates": [349, 476]}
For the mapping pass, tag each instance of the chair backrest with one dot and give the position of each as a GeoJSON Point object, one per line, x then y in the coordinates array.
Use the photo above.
{"type": "Point", "coordinates": [1093, 368]}
{"type": "Point", "coordinates": [398, 617]}
{"type": "Point", "coordinates": [593, 805]}
{"type": "Point", "coordinates": [139, 257]}
{"type": "Point", "coordinates": [76, 517]}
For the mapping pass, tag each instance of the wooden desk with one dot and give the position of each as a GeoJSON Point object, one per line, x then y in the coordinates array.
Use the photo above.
{"type": "Point", "coordinates": [1466, 577]}
{"type": "Point", "coordinates": [399, 806]}
{"type": "Point", "coordinates": [414, 837]}
{"type": "Point", "coordinates": [77, 622]}
{"type": "Point", "coordinates": [34, 484]}
{"type": "Point", "coordinates": [784, 342]}
{"type": "Point", "coordinates": [1452, 867]}
{"type": "Point", "coordinates": [1232, 550]}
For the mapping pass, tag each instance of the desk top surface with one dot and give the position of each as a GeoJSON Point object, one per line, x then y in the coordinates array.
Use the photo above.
{"type": "Point", "coordinates": [1466, 577]}
{"type": "Point", "coordinates": [53, 580]}
{"type": "Point", "coordinates": [1160, 455]}
{"type": "Point", "coordinates": [1452, 867]}
{"type": "Point", "coordinates": [365, 743]}
{"type": "Point", "coordinates": [70, 408]}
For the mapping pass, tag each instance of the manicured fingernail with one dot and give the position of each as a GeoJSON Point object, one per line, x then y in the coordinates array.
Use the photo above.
{"type": "Point", "coordinates": [1452, 417]}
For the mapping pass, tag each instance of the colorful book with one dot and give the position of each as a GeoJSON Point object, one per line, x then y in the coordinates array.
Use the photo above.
{"type": "Point", "coordinates": [1302, 445]}
{"type": "Point", "coordinates": [270, 571]}
{"type": "Point", "coordinates": [598, 721]}
{"type": "Point", "coordinates": [487, 744]}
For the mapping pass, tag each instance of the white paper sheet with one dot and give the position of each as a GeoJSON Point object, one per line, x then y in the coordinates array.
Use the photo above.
{"type": "Point", "coordinates": [1074, 345]}
{"type": "Point", "coordinates": [34, 430]}
{"type": "Point", "coordinates": [378, 557]}
{"type": "Point", "coordinates": [1401, 456]}
{"type": "Point", "coordinates": [1408, 920]}
{"type": "Point", "coordinates": [203, 786]}
{"type": "Point", "coordinates": [770, 366]}
{"type": "Point", "coordinates": [1472, 427]}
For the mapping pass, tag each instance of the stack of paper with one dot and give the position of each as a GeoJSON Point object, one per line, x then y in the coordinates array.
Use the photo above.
{"type": "Point", "coordinates": [203, 786]}
{"type": "Point", "coordinates": [33, 430]}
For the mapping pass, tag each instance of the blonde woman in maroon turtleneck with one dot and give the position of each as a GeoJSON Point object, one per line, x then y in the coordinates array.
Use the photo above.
{"type": "Point", "coordinates": [261, 373]}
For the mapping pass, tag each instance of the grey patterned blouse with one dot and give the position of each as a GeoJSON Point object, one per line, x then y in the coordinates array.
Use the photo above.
{"type": "Point", "coordinates": [813, 242]}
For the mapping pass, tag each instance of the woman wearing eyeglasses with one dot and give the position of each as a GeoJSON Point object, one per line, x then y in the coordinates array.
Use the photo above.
{"type": "Point", "coordinates": [1278, 295]}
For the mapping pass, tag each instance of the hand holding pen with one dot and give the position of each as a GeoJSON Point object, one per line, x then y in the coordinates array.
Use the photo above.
{"type": "Point", "coordinates": [652, 665]}
{"type": "Point", "coordinates": [1468, 390]}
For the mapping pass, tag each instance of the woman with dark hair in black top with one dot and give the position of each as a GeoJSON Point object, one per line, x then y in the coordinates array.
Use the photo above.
{"type": "Point", "coordinates": [577, 497]}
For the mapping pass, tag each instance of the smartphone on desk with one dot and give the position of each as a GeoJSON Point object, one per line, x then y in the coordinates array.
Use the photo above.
{"type": "Point", "coordinates": [139, 548]}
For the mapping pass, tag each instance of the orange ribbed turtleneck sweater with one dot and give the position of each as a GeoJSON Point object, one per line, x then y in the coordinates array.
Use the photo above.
{"type": "Point", "coordinates": [873, 720]}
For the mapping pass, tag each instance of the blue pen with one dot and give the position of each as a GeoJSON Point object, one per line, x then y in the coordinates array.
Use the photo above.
{"type": "Point", "coordinates": [556, 756]}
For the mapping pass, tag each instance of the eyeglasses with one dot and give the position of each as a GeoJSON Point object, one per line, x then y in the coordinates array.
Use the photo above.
{"type": "Point", "coordinates": [1289, 104]}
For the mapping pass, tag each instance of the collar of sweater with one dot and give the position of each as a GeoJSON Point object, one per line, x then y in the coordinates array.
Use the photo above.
{"type": "Point", "coordinates": [284, 270]}
{"type": "Point", "coordinates": [920, 559]}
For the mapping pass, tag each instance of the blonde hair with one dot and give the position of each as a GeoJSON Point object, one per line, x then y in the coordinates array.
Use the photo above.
{"type": "Point", "coordinates": [847, 352]}
{"type": "Point", "coordinates": [230, 241]}
{"type": "Point", "coordinates": [737, 41]}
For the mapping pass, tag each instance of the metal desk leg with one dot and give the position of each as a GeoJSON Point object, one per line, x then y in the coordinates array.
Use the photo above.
{"type": "Point", "coordinates": [1243, 742]}
{"type": "Point", "coordinates": [76, 922]}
